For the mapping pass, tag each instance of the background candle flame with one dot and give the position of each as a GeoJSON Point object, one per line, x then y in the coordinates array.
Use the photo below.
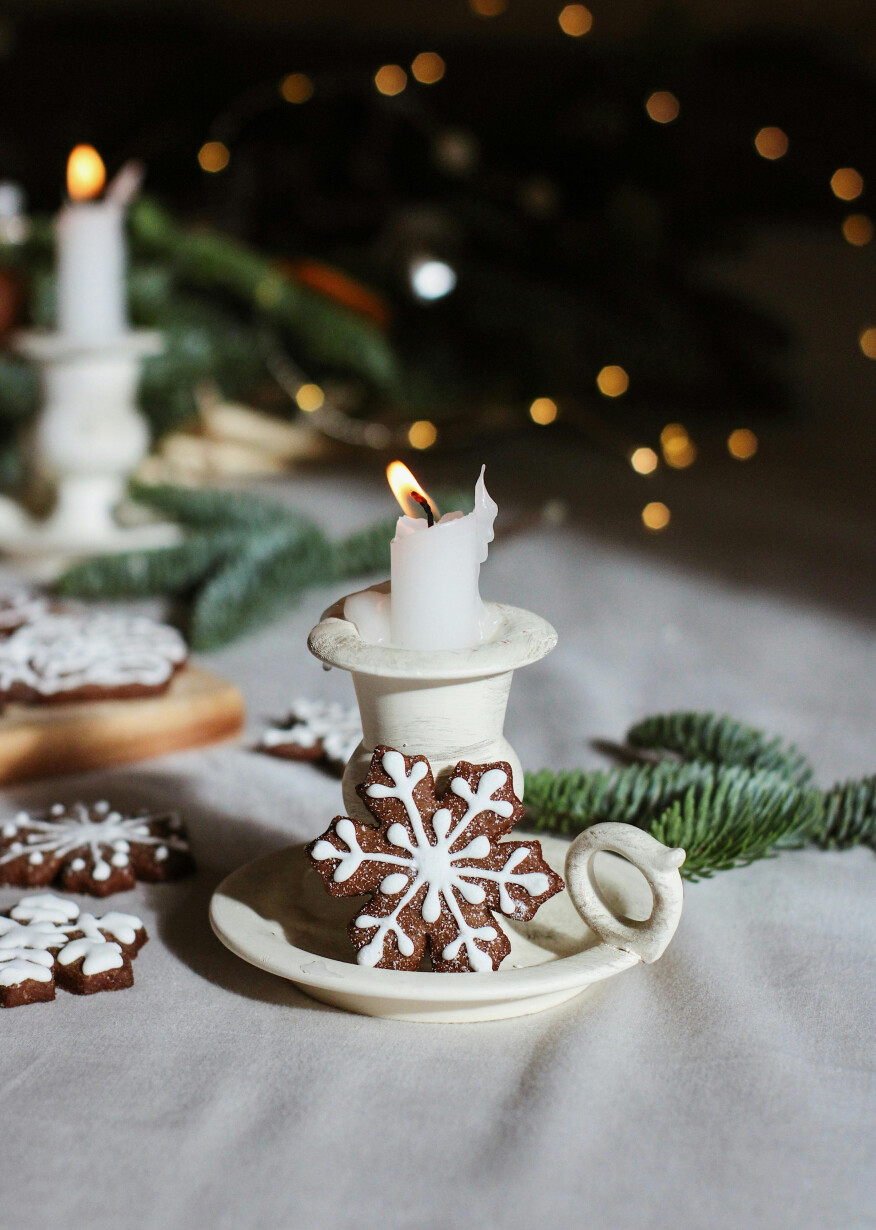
{"type": "Point", "coordinates": [402, 483]}
{"type": "Point", "coordinates": [86, 173]}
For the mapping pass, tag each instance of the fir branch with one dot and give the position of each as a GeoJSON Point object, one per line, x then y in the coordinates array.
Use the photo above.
{"type": "Point", "coordinates": [849, 816]}
{"type": "Point", "coordinates": [723, 816]}
{"type": "Point", "coordinates": [211, 508]}
{"type": "Point", "coordinates": [364, 551]}
{"type": "Point", "coordinates": [568, 801]}
{"type": "Point", "coordinates": [739, 817]}
{"type": "Point", "coordinates": [333, 334]}
{"type": "Point", "coordinates": [722, 740]}
{"type": "Point", "coordinates": [256, 584]}
{"type": "Point", "coordinates": [145, 574]}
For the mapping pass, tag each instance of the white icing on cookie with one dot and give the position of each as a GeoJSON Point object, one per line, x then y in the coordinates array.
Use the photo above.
{"type": "Point", "coordinates": [81, 830]}
{"type": "Point", "coordinates": [437, 867]}
{"type": "Point", "coordinates": [39, 930]}
{"type": "Point", "coordinates": [336, 728]}
{"type": "Point", "coordinates": [21, 605]}
{"type": "Point", "coordinates": [62, 653]}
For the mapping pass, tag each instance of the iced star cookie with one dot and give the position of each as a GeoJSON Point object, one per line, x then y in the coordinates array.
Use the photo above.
{"type": "Point", "coordinates": [435, 867]}
{"type": "Point", "coordinates": [89, 656]}
{"type": "Point", "coordinates": [47, 942]}
{"type": "Point", "coordinates": [317, 731]}
{"type": "Point", "coordinates": [91, 848]}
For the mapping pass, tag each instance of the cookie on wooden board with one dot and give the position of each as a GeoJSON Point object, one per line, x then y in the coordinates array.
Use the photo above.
{"type": "Point", "coordinates": [48, 942]}
{"type": "Point", "coordinates": [89, 656]}
{"type": "Point", "coordinates": [435, 866]}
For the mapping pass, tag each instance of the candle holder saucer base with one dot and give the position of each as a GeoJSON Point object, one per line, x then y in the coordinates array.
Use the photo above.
{"type": "Point", "coordinates": [275, 914]}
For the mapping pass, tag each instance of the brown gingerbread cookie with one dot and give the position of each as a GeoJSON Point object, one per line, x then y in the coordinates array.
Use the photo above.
{"type": "Point", "coordinates": [317, 731]}
{"type": "Point", "coordinates": [47, 942]}
{"type": "Point", "coordinates": [435, 866]}
{"type": "Point", "coordinates": [91, 848]}
{"type": "Point", "coordinates": [89, 656]}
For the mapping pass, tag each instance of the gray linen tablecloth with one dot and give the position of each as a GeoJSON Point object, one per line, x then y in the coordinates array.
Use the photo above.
{"type": "Point", "coordinates": [733, 1084]}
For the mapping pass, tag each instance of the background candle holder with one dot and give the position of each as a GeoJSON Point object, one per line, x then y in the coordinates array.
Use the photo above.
{"type": "Point", "coordinates": [446, 705]}
{"type": "Point", "coordinates": [89, 437]}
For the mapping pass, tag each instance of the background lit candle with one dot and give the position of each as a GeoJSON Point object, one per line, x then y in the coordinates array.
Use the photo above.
{"type": "Point", "coordinates": [91, 255]}
{"type": "Point", "coordinates": [436, 602]}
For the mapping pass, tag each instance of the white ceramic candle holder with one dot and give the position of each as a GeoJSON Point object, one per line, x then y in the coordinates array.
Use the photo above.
{"type": "Point", "coordinates": [87, 440]}
{"type": "Point", "coordinates": [446, 705]}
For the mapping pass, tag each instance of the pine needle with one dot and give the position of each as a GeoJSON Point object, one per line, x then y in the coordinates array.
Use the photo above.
{"type": "Point", "coordinates": [722, 740]}
{"type": "Point", "coordinates": [849, 817]}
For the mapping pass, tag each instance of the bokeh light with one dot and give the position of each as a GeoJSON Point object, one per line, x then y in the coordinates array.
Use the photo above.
{"type": "Point", "coordinates": [857, 230]}
{"type": "Point", "coordinates": [309, 397]}
{"type": "Point", "coordinates": [771, 143]}
{"type": "Point", "coordinates": [655, 516]}
{"type": "Point", "coordinates": [846, 183]}
{"type": "Point", "coordinates": [679, 451]}
{"type": "Point", "coordinates": [543, 411]}
{"type": "Point", "coordinates": [422, 434]}
{"type": "Point", "coordinates": [575, 20]}
{"type": "Point", "coordinates": [612, 381]}
{"type": "Point", "coordinates": [296, 88]}
{"type": "Point", "coordinates": [391, 79]}
{"type": "Point", "coordinates": [742, 444]}
{"type": "Point", "coordinates": [488, 8]}
{"type": "Point", "coordinates": [644, 460]}
{"type": "Point", "coordinates": [428, 67]}
{"type": "Point", "coordinates": [432, 279]}
{"type": "Point", "coordinates": [662, 107]}
{"type": "Point", "coordinates": [867, 342]}
{"type": "Point", "coordinates": [214, 156]}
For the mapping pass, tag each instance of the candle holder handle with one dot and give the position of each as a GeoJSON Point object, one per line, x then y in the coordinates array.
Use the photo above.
{"type": "Point", "coordinates": [659, 865]}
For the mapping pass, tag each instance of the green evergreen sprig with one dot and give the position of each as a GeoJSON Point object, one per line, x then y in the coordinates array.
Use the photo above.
{"type": "Point", "coordinates": [729, 795]}
{"type": "Point", "coordinates": [242, 561]}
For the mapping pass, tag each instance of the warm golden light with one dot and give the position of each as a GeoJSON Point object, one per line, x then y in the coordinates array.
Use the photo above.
{"type": "Point", "coordinates": [846, 183]}
{"type": "Point", "coordinates": [673, 431]}
{"type": "Point", "coordinates": [655, 516]}
{"type": "Point", "coordinates": [679, 452]}
{"type": "Point", "coordinates": [867, 342]}
{"type": "Point", "coordinates": [422, 434]}
{"type": "Point", "coordinates": [402, 483]}
{"type": "Point", "coordinates": [644, 460]}
{"type": "Point", "coordinates": [612, 381]}
{"type": "Point", "coordinates": [391, 79]}
{"type": "Point", "coordinates": [662, 107]}
{"type": "Point", "coordinates": [742, 444]}
{"type": "Point", "coordinates": [575, 20]}
{"type": "Point", "coordinates": [543, 411]}
{"type": "Point", "coordinates": [488, 8]}
{"type": "Point", "coordinates": [86, 174]}
{"type": "Point", "coordinates": [214, 156]}
{"type": "Point", "coordinates": [309, 397]}
{"type": "Point", "coordinates": [857, 230]}
{"type": "Point", "coordinates": [771, 143]}
{"type": "Point", "coordinates": [428, 67]}
{"type": "Point", "coordinates": [296, 88]}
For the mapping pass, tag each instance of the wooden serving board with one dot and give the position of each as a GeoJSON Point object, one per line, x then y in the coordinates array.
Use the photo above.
{"type": "Point", "coordinates": [44, 740]}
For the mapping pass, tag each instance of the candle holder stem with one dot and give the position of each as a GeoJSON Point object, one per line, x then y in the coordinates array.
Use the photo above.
{"type": "Point", "coordinates": [446, 705]}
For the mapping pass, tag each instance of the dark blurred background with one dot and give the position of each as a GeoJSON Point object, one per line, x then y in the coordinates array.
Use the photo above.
{"type": "Point", "coordinates": [628, 243]}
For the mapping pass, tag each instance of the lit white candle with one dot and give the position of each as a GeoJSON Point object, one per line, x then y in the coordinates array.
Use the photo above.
{"type": "Point", "coordinates": [91, 255]}
{"type": "Point", "coordinates": [435, 600]}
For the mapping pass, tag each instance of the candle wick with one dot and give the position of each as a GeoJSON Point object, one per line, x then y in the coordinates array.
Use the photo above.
{"type": "Point", "coordinates": [424, 504]}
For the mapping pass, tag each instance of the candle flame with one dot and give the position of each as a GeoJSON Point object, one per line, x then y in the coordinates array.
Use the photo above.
{"type": "Point", "coordinates": [86, 173]}
{"type": "Point", "coordinates": [403, 484]}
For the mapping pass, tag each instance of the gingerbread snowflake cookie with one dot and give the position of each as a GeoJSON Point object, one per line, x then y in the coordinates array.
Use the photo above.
{"type": "Point", "coordinates": [91, 848]}
{"type": "Point", "coordinates": [89, 656]}
{"type": "Point", "coordinates": [47, 942]}
{"type": "Point", "coordinates": [317, 731]}
{"type": "Point", "coordinates": [435, 866]}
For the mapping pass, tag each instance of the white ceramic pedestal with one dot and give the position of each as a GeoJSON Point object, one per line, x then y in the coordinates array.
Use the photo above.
{"type": "Point", "coordinates": [446, 705]}
{"type": "Point", "coordinates": [87, 440]}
